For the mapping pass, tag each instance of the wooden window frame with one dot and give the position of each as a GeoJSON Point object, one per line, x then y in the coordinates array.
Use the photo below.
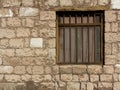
{"type": "Point", "coordinates": [101, 36]}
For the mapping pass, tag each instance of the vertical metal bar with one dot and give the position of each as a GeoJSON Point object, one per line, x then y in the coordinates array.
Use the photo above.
{"type": "Point", "coordinates": [70, 37]}
{"type": "Point", "coordinates": [64, 38]}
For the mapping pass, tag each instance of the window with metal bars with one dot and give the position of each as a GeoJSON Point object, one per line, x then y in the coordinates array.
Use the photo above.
{"type": "Point", "coordinates": [80, 37]}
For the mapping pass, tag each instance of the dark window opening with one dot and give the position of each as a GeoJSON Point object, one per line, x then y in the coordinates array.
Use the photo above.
{"type": "Point", "coordinates": [80, 37]}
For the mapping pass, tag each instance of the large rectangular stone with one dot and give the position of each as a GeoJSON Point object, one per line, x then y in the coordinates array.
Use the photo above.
{"type": "Point", "coordinates": [6, 13]}
{"type": "Point", "coordinates": [115, 4]}
{"type": "Point", "coordinates": [28, 11]}
{"type": "Point", "coordinates": [36, 42]}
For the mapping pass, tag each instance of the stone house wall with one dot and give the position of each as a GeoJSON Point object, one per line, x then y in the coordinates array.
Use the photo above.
{"type": "Point", "coordinates": [28, 47]}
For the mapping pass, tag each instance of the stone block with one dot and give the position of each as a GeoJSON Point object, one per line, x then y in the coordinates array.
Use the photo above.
{"type": "Point", "coordinates": [52, 2]}
{"type": "Point", "coordinates": [3, 22]}
{"type": "Point", "coordinates": [23, 32]}
{"type": "Point", "coordinates": [6, 13]}
{"type": "Point", "coordinates": [79, 69]}
{"type": "Point", "coordinates": [114, 27]}
{"type": "Point", "coordinates": [28, 11]}
{"type": "Point", "coordinates": [109, 14]}
{"type": "Point", "coordinates": [90, 86]}
{"type": "Point", "coordinates": [117, 68]}
{"type": "Point", "coordinates": [38, 70]}
{"type": "Point", "coordinates": [7, 52]}
{"type": "Point", "coordinates": [107, 78]}
{"type": "Point", "coordinates": [25, 52]}
{"type": "Point", "coordinates": [66, 77]}
{"type": "Point", "coordinates": [8, 3]}
{"type": "Point", "coordinates": [48, 70]}
{"type": "Point", "coordinates": [107, 27]}
{"type": "Point", "coordinates": [12, 78]}
{"type": "Point", "coordinates": [105, 86]}
{"type": "Point", "coordinates": [12, 61]}
{"type": "Point", "coordinates": [94, 69]}
{"type": "Point", "coordinates": [37, 78]}
{"type": "Point", "coordinates": [111, 37]}
{"type": "Point", "coordinates": [14, 22]}
{"type": "Point", "coordinates": [110, 59]}
{"type": "Point", "coordinates": [94, 78]}
{"type": "Point", "coordinates": [28, 3]}
{"type": "Point", "coordinates": [6, 69]}
{"type": "Point", "coordinates": [108, 48]}
{"type": "Point", "coordinates": [29, 22]}
{"type": "Point", "coordinates": [28, 61]}
{"type": "Point", "coordinates": [66, 69]}
{"type": "Point", "coordinates": [115, 48]}
{"type": "Point", "coordinates": [7, 33]}
{"type": "Point", "coordinates": [26, 77]}
{"type": "Point", "coordinates": [19, 70]}
{"type": "Point", "coordinates": [16, 43]}
{"type": "Point", "coordinates": [116, 86]}
{"type": "Point", "coordinates": [108, 69]}
{"type": "Point", "coordinates": [29, 69]}
{"type": "Point", "coordinates": [4, 43]}
{"type": "Point", "coordinates": [115, 4]}
{"type": "Point", "coordinates": [52, 43]}
{"type": "Point", "coordinates": [47, 15]}
{"type": "Point", "coordinates": [52, 52]}
{"type": "Point", "coordinates": [73, 86]}
{"type": "Point", "coordinates": [75, 78]}
{"type": "Point", "coordinates": [36, 42]}
{"type": "Point", "coordinates": [1, 61]}
{"type": "Point", "coordinates": [41, 52]}
{"type": "Point", "coordinates": [47, 33]}
{"type": "Point", "coordinates": [84, 77]}
{"type": "Point", "coordinates": [66, 3]}
{"type": "Point", "coordinates": [103, 2]}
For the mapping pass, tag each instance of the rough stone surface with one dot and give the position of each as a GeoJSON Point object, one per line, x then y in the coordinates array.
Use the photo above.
{"type": "Point", "coordinates": [28, 11]}
{"type": "Point", "coordinates": [6, 13]}
{"type": "Point", "coordinates": [19, 70]}
{"type": "Point", "coordinates": [94, 69]}
{"type": "Point", "coordinates": [73, 86]}
{"type": "Point", "coordinates": [66, 3]}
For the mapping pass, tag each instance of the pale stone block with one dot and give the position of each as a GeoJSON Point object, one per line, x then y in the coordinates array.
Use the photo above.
{"type": "Point", "coordinates": [55, 69]}
{"type": "Point", "coordinates": [12, 78]}
{"type": "Point", "coordinates": [25, 52]}
{"type": "Point", "coordinates": [47, 78]}
{"type": "Point", "coordinates": [115, 49]}
{"type": "Point", "coordinates": [114, 27]}
{"type": "Point", "coordinates": [84, 77]}
{"type": "Point", "coordinates": [8, 3]}
{"type": "Point", "coordinates": [7, 33]}
{"type": "Point", "coordinates": [73, 86]}
{"type": "Point", "coordinates": [26, 77]}
{"type": "Point", "coordinates": [1, 77]}
{"type": "Point", "coordinates": [29, 69]}
{"type": "Point", "coordinates": [94, 78]}
{"type": "Point", "coordinates": [6, 13]}
{"type": "Point", "coordinates": [116, 86]}
{"type": "Point", "coordinates": [38, 70]}
{"type": "Point", "coordinates": [6, 69]}
{"type": "Point", "coordinates": [52, 52]}
{"type": "Point", "coordinates": [94, 69]}
{"type": "Point", "coordinates": [28, 11]}
{"type": "Point", "coordinates": [19, 70]}
{"type": "Point", "coordinates": [116, 77]}
{"type": "Point", "coordinates": [52, 2]}
{"type": "Point", "coordinates": [66, 69]}
{"type": "Point", "coordinates": [14, 22]}
{"type": "Point", "coordinates": [34, 32]}
{"type": "Point", "coordinates": [7, 52]}
{"type": "Point", "coordinates": [16, 43]}
{"type": "Point", "coordinates": [48, 70]}
{"type": "Point", "coordinates": [108, 78]}
{"type": "Point", "coordinates": [23, 32]}
{"type": "Point", "coordinates": [36, 42]}
{"type": "Point", "coordinates": [117, 68]}
{"type": "Point", "coordinates": [62, 84]}
{"type": "Point", "coordinates": [83, 86]}
{"type": "Point", "coordinates": [79, 69]}
{"type": "Point", "coordinates": [3, 22]}
{"type": "Point", "coordinates": [47, 15]}
{"type": "Point", "coordinates": [115, 4]}
{"type": "Point", "coordinates": [75, 78]}
{"type": "Point", "coordinates": [66, 77]}
{"type": "Point", "coordinates": [28, 3]}
{"type": "Point", "coordinates": [66, 3]}
{"type": "Point", "coordinates": [109, 14]}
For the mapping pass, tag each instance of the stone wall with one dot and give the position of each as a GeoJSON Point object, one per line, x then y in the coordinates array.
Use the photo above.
{"type": "Point", "coordinates": [28, 47]}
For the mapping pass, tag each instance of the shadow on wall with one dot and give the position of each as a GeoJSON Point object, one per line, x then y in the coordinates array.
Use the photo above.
{"type": "Point", "coordinates": [30, 85]}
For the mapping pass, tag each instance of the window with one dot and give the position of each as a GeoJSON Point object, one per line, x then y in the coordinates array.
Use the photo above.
{"type": "Point", "coordinates": [80, 37]}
